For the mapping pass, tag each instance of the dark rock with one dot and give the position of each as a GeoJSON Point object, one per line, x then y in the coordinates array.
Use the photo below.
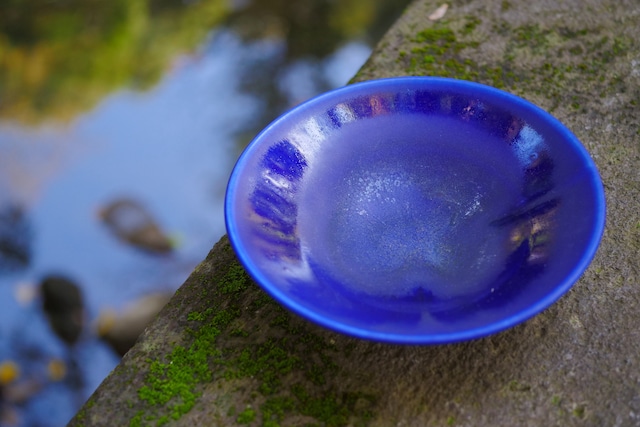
{"type": "Point", "coordinates": [15, 239]}
{"type": "Point", "coordinates": [132, 223]}
{"type": "Point", "coordinates": [121, 330]}
{"type": "Point", "coordinates": [63, 305]}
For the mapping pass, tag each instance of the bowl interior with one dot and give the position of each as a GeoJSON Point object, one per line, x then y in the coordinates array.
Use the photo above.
{"type": "Point", "coordinates": [415, 210]}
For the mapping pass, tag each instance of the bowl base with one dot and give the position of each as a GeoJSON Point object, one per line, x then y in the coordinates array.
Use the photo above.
{"type": "Point", "coordinates": [396, 226]}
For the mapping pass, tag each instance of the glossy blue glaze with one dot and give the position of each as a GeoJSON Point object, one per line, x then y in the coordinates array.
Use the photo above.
{"type": "Point", "coordinates": [415, 210]}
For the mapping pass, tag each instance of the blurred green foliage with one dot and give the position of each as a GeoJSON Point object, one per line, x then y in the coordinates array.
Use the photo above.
{"type": "Point", "coordinates": [315, 28]}
{"type": "Point", "coordinates": [59, 57]}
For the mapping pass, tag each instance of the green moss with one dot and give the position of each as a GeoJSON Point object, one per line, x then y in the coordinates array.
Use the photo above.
{"type": "Point", "coordinates": [451, 420]}
{"type": "Point", "coordinates": [136, 421]}
{"type": "Point", "coordinates": [261, 301]}
{"type": "Point", "coordinates": [268, 362]}
{"type": "Point", "coordinates": [437, 35]}
{"type": "Point", "coordinates": [199, 316]}
{"type": "Point", "coordinates": [470, 25]}
{"type": "Point", "coordinates": [531, 36]}
{"type": "Point", "coordinates": [170, 383]}
{"type": "Point", "coordinates": [231, 411]}
{"type": "Point", "coordinates": [576, 50]}
{"type": "Point", "coordinates": [304, 359]}
{"type": "Point", "coordinates": [437, 53]}
{"type": "Point", "coordinates": [579, 411]}
{"type": "Point", "coordinates": [330, 409]}
{"type": "Point", "coordinates": [289, 353]}
{"type": "Point", "coordinates": [81, 415]}
{"type": "Point", "coordinates": [536, 60]}
{"type": "Point", "coordinates": [170, 387]}
{"type": "Point", "coordinates": [556, 400]}
{"type": "Point", "coordinates": [235, 281]}
{"type": "Point", "coordinates": [239, 332]}
{"type": "Point", "coordinates": [275, 407]}
{"type": "Point", "coordinates": [281, 319]}
{"type": "Point", "coordinates": [247, 416]}
{"type": "Point", "coordinates": [518, 386]}
{"type": "Point", "coordinates": [315, 375]}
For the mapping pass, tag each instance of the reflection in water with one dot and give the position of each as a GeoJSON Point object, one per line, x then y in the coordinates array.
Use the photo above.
{"type": "Point", "coordinates": [63, 304]}
{"type": "Point", "coordinates": [15, 239]}
{"type": "Point", "coordinates": [170, 150]}
{"type": "Point", "coordinates": [121, 329]}
{"type": "Point", "coordinates": [60, 57]}
{"type": "Point", "coordinates": [130, 221]}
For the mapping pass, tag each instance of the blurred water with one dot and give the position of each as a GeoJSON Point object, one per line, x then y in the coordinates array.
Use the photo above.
{"type": "Point", "coordinates": [171, 149]}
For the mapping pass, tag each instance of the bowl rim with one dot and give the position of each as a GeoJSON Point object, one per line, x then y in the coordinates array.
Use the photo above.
{"type": "Point", "coordinates": [389, 84]}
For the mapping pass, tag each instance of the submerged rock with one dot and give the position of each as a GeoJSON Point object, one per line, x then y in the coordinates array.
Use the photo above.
{"type": "Point", "coordinates": [131, 222]}
{"type": "Point", "coordinates": [15, 239]}
{"type": "Point", "coordinates": [64, 307]}
{"type": "Point", "coordinates": [121, 330]}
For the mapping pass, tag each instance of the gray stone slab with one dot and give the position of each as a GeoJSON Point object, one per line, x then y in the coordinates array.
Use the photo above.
{"type": "Point", "coordinates": [223, 353]}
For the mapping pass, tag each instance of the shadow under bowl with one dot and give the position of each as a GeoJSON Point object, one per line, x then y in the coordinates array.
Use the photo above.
{"type": "Point", "coordinates": [415, 210]}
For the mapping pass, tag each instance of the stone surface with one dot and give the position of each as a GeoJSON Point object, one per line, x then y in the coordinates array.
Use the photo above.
{"type": "Point", "coordinates": [223, 353]}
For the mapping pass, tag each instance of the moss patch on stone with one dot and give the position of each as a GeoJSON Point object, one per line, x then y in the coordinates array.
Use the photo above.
{"type": "Point", "coordinates": [535, 59]}
{"type": "Point", "coordinates": [246, 417]}
{"type": "Point", "coordinates": [170, 383]}
{"type": "Point", "coordinates": [170, 388]}
{"type": "Point", "coordinates": [295, 374]}
{"type": "Point", "coordinates": [236, 280]}
{"type": "Point", "coordinates": [289, 368]}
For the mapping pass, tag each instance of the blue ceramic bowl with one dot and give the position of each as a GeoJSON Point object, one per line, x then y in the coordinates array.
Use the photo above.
{"type": "Point", "coordinates": [415, 210]}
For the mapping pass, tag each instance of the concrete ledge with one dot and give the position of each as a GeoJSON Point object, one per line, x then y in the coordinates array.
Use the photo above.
{"type": "Point", "coordinates": [223, 353]}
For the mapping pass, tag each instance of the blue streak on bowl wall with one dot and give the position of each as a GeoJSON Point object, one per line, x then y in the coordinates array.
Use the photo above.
{"type": "Point", "coordinates": [273, 200]}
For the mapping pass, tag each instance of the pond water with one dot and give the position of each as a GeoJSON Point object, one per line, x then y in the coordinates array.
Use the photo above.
{"type": "Point", "coordinates": [168, 150]}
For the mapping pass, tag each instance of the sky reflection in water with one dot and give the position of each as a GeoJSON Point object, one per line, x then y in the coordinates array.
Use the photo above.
{"type": "Point", "coordinates": [172, 150]}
